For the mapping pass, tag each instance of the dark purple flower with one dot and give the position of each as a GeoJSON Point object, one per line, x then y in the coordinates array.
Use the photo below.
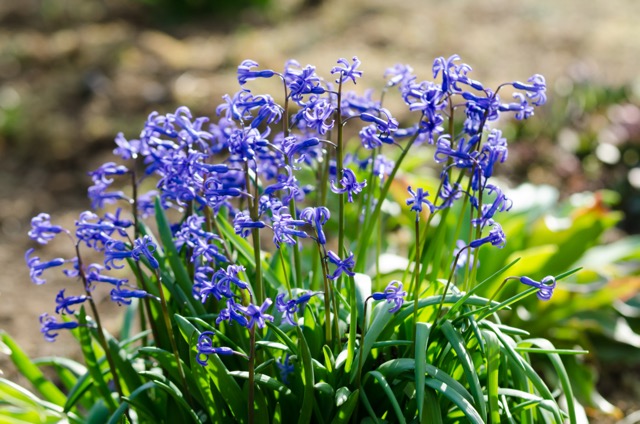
{"type": "Point", "coordinates": [453, 74]}
{"type": "Point", "coordinates": [268, 110]}
{"type": "Point", "coordinates": [545, 287]}
{"type": "Point", "coordinates": [284, 227]}
{"type": "Point", "coordinates": [292, 147]}
{"type": "Point", "coordinates": [393, 293]}
{"type": "Point", "coordinates": [496, 237]}
{"type": "Point", "coordinates": [49, 324]}
{"type": "Point", "coordinates": [342, 266]}
{"type": "Point", "coordinates": [41, 229]}
{"type": "Point", "coordinates": [288, 183]}
{"type": "Point", "coordinates": [36, 268]}
{"type": "Point", "coordinates": [246, 74]}
{"type": "Point", "coordinates": [94, 234]}
{"type": "Point", "coordinates": [231, 108]}
{"type": "Point", "coordinates": [233, 312]}
{"type": "Point", "coordinates": [205, 348]}
{"type": "Point", "coordinates": [347, 71]}
{"type": "Point", "coordinates": [63, 302]}
{"type": "Point", "coordinates": [494, 150]}
{"type": "Point", "coordinates": [349, 184]}
{"type": "Point", "coordinates": [317, 217]}
{"type": "Point", "coordinates": [285, 367]}
{"type": "Point", "coordinates": [417, 199]}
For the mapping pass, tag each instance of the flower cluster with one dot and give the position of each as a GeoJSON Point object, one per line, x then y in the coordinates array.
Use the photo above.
{"type": "Point", "coordinates": [270, 173]}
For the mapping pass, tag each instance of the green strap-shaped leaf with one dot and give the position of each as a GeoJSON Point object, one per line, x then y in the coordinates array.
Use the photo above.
{"type": "Point", "coordinates": [422, 339]}
{"type": "Point", "coordinates": [345, 411]}
{"type": "Point", "coordinates": [387, 390]}
{"type": "Point", "coordinates": [32, 373]}
{"type": "Point", "coordinates": [458, 345]}
{"type": "Point", "coordinates": [308, 379]}
{"type": "Point", "coordinates": [493, 374]}
{"type": "Point", "coordinates": [464, 405]}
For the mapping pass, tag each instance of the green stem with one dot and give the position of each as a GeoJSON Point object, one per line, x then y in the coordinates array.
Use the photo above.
{"type": "Point", "coordinates": [416, 287]}
{"type": "Point", "coordinates": [101, 338]}
{"type": "Point", "coordinates": [252, 371]}
{"type": "Point", "coordinates": [172, 339]}
{"type": "Point", "coordinates": [327, 302]}
{"type": "Point", "coordinates": [255, 236]}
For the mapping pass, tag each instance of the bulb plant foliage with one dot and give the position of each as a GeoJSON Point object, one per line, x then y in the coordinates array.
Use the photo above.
{"type": "Point", "coordinates": [253, 264]}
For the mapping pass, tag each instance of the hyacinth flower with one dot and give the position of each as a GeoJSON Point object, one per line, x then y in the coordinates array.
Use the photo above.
{"type": "Point", "coordinates": [316, 217]}
{"type": "Point", "coordinates": [42, 230]}
{"type": "Point", "coordinates": [117, 250]}
{"type": "Point", "coordinates": [122, 295]}
{"type": "Point", "coordinates": [302, 81]}
{"type": "Point", "coordinates": [243, 224]}
{"type": "Point", "coordinates": [393, 293]}
{"type": "Point", "coordinates": [342, 266]}
{"type": "Point", "coordinates": [36, 268]}
{"type": "Point", "coordinates": [545, 287]}
{"type": "Point", "coordinates": [63, 303]}
{"type": "Point", "coordinates": [284, 227]}
{"type": "Point", "coordinates": [205, 348]}
{"type": "Point", "coordinates": [417, 200]}
{"type": "Point", "coordinates": [285, 368]}
{"type": "Point", "coordinates": [233, 312]}
{"type": "Point", "coordinates": [289, 307]}
{"type": "Point", "coordinates": [246, 74]}
{"type": "Point", "coordinates": [49, 326]}
{"type": "Point", "coordinates": [496, 237]}
{"type": "Point", "coordinates": [347, 71]}
{"type": "Point", "coordinates": [349, 184]}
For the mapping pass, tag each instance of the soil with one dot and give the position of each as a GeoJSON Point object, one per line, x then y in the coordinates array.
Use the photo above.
{"type": "Point", "coordinates": [74, 73]}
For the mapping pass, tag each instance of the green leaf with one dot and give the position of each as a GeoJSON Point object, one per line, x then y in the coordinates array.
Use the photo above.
{"type": "Point", "coordinates": [493, 368]}
{"type": "Point", "coordinates": [266, 382]}
{"type": "Point", "coordinates": [307, 378]}
{"type": "Point", "coordinates": [458, 345]}
{"type": "Point", "coordinates": [345, 411]}
{"type": "Point", "coordinates": [93, 366]}
{"type": "Point", "coordinates": [464, 405]}
{"type": "Point", "coordinates": [32, 373]}
{"type": "Point", "coordinates": [387, 390]}
{"type": "Point", "coordinates": [422, 339]}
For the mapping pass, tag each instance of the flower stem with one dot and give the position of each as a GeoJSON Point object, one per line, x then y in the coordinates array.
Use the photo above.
{"type": "Point", "coordinates": [416, 287]}
{"type": "Point", "coordinates": [252, 372]}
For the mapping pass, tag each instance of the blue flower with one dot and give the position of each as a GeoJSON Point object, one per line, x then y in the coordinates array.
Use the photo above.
{"type": "Point", "coordinates": [41, 229]}
{"type": "Point", "coordinates": [242, 224]}
{"type": "Point", "coordinates": [205, 348]}
{"type": "Point", "coordinates": [453, 74]}
{"type": "Point", "coordinates": [246, 74]}
{"type": "Point", "coordinates": [494, 150]}
{"type": "Point", "coordinates": [393, 293]}
{"type": "Point", "coordinates": [372, 139]}
{"type": "Point", "coordinates": [417, 199]}
{"type": "Point", "coordinates": [385, 126]}
{"type": "Point", "coordinates": [285, 367]}
{"type": "Point", "coordinates": [268, 110]}
{"type": "Point", "coordinates": [94, 275]}
{"type": "Point", "coordinates": [100, 196]}
{"type": "Point", "coordinates": [49, 324]}
{"type": "Point", "coordinates": [349, 184]}
{"type": "Point", "coordinates": [122, 295]}
{"type": "Point", "coordinates": [545, 287]}
{"type": "Point", "coordinates": [286, 182]}
{"type": "Point", "coordinates": [536, 90]}
{"type": "Point", "coordinates": [521, 107]}
{"type": "Point", "coordinates": [257, 315]}
{"type": "Point", "coordinates": [129, 149]}
{"type": "Point", "coordinates": [500, 204]}
{"type": "Point", "coordinates": [399, 74]}
{"type": "Point", "coordinates": [283, 226]}
{"type": "Point", "coordinates": [233, 312]}
{"type": "Point", "coordinates": [496, 237]}
{"type": "Point", "coordinates": [301, 81]}
{"type": "Point", "coordinates": [63, 302]}
{"type": "Point", "coordinates": [317, 217]}
{"type": "Point", "coordinates": [106, 170]}
{"type": "Point", "coordinates": [342, 266]}
{"type": "Point", "coordinates": [292, 147]}
{"type": "Point", "coordinates": [316, 114]}
{"type": "Point", "coordinates": [291, 306]}
{"type": "Point", "coordinates": [36, 268]}
{"type": "Point", "coordinates": [347, 71]}
{"type": "Point", "coordinates": [465, 258]}
{"type": "Point", "coordinates": [117, 250]}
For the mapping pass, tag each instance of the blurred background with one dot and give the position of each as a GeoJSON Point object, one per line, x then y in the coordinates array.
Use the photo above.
{"type": "Point", "coordinates": [74, 73]}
